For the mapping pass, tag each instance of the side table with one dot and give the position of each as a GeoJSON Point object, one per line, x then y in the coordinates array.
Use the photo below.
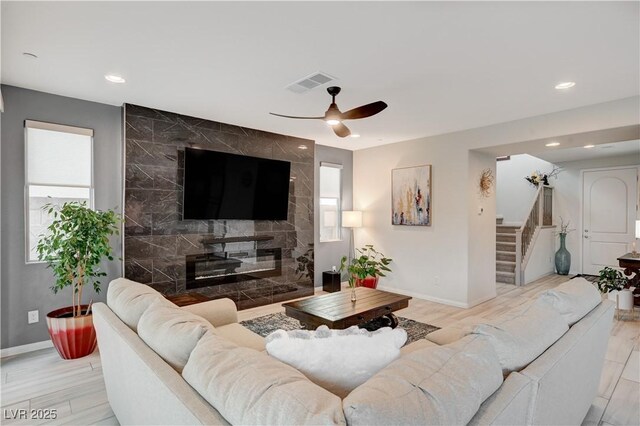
{"type": "Point", "coordinates": [331, 281]}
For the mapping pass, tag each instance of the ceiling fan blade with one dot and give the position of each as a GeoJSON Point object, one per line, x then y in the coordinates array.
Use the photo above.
{"type": "Point", "coordinates": [364, 111]}
{"type": "Point", "coordinates": [341, 130]}
{"type": "Point", "coordinates": [291, 116]}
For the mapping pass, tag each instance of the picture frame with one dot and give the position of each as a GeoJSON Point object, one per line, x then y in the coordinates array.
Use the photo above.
{"type": "Point", "coordinates": [411, 196]}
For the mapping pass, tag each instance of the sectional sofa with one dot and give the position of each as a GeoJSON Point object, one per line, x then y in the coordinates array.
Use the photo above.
{"type": "Point", "coordinates": [196, 365]}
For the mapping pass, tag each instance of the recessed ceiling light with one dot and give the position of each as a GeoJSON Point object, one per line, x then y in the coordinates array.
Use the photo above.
{"type": "Point", "coordinates": [589, 146]}
{"type": "Point", "coordinates": [30, 55]}
{"type": "Point", "coordinates": [553, 144]}
{"type": "Point", "coordinates": [565, 85]}
{"type": "Point", "coordinates": [114, 78]}
{"type": "Point", "coordinates": [302, 147]}
{"type": "Point", "coordinates": [355, 135]}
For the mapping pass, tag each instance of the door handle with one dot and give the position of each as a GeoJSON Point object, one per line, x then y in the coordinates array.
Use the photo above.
{"type": "Point", "coordinates": [586, 236]}
{"type": "Point", "coordinates": [586, 230]}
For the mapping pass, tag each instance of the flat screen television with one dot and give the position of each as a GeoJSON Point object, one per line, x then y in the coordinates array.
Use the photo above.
{"type": "Point", "coordinates": [218, 185]}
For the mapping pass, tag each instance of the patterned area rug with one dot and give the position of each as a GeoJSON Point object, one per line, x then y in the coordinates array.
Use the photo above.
{"type": "Point", "coordinates": [590, 278]}
{"type": "Point", "coordinates": [267, 324]}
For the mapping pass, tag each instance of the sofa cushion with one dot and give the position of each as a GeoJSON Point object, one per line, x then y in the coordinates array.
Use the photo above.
{"type": "Point", "coordinates": [172, 333]}
{"type": "Point", "coordinates": [129, 299]}
{"type": "Point", "coordinates": [456, 331]}
{"type": "Point", "coordinates": [249, 387]}
{"type": "Point", "coordinates": [241, 336]}
{"type": "Point", "coordinates": [218, 312]}
{"type": "Point", "coordinates": [440, 385]}
{"type": "Point", "coordinates": [521, 338]}
{"type": "Point", "coordinates": [337, 360]}
{"type": "Point", "coordinates": [415, 346]}
{"type": "Point", "coordinates": [573, 299]}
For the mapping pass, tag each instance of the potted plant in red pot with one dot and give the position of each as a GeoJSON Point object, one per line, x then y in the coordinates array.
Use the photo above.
{"type": "Point", "coordinates": [368, 267]}
{"type": "Point", "coordinates": [76, 242]}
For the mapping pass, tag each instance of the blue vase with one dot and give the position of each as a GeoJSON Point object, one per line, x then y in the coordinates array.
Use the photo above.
{"type": "Point", "coordinates": [563, 257]}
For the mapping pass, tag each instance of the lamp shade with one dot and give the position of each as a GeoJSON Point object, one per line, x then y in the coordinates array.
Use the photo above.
{"type": "Point", "coordinates": [351, 219]}
{"type": "Point", "coordinates": [637, 228]}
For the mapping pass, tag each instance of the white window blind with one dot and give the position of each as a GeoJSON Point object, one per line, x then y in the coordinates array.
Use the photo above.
{"type": "Point", "coordinates": [330, 201]}
{"type": "Point", "coordinates": [58, 169]}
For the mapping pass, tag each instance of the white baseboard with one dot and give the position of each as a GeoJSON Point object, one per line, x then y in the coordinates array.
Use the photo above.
{"type": "Point", "coordinates": [23, 349]}
{"type": "Point", "coordinates": [481, 300]}
{"type": "Point", "coordinates": [436, 299]}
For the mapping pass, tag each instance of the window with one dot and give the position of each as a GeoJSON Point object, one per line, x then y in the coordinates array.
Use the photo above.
{"type": "Point", "coordinates": [58, 169]}
{"type": "Point", "coordinates": [330, 201]}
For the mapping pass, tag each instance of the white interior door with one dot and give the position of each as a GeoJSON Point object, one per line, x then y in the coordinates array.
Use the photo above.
{"type": "Point", "coordinates": [608, 216]}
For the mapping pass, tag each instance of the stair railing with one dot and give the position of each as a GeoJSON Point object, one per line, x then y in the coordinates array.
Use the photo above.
{"type": "Point", "coordinates": [540, 214]}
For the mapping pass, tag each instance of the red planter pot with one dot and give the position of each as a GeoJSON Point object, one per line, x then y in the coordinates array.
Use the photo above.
{"type": "Point", "coordinates": [72, 337]}
{"type": "Point", "coordinates": [371, 282]}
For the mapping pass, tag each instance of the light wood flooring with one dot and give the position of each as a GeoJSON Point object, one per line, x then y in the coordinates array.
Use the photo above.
{"type": "Point", "coordinates": [75, 389]}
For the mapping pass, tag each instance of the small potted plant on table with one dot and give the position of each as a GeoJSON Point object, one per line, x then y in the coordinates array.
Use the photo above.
{"type": "Point", "coordinates": [76, 242]}
{"type": "Point", "coordinates": [366, 269]}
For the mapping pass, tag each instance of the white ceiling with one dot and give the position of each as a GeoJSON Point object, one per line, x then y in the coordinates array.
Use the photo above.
{"type": "Point", "coordinates": [440, 66]}
{"type": "Point", "coordinates": [630, 148]}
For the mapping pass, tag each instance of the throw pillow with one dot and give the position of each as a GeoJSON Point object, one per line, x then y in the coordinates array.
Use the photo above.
{"type": "Point", "coordinates": [337, 360]}
{"type": "Point", "coordinates": [129, 299]}
{"type": "Point", "coordinates": [441, 385]}
{"type": "Point", "coordinates": [251, 388]}
{"type": "Point", "coordinates": [172, 333]}
{"type": "Point", "coordinates": [573, 299]}
{"type": "Point", "coordinates": [522, 338]}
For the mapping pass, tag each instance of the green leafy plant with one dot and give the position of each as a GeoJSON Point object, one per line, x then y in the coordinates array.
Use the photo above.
{"type": "Point", "coordinates": [77, 241]}
{"type": "Point", "coordinates": [610, 279]}
{"type": "Point", "coordinates": [368, 263]}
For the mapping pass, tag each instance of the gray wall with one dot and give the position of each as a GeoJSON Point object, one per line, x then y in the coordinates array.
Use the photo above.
{"type": "Point", "coordinates": [328, 254]}
{"type": "Point", "coordinates": [26, 287]}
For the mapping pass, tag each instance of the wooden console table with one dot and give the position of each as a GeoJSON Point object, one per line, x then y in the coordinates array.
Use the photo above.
{"type": "Point", "coordinates": [631, 266]}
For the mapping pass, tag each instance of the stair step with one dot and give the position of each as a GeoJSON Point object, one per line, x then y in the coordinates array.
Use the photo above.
{"type": "Point", "coordinates": [509, 256]}
{"type": "Point", "coordinates": [507, 229]}
{"type": "Point", "coordinates": [506, 277]}
{"type": "Point", "coordinates": [506, 237]}
{"type": "Point", "coordinates": [505, 266]}
{"type": "Point", "coordinates": [505, 246]}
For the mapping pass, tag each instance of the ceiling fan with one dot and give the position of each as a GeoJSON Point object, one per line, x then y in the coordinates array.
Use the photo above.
{"type": "Point", "coordinates": [334, 117]}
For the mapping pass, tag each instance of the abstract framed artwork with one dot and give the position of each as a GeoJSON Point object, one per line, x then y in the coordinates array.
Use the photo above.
{"type": "Point", "coordinates": [411, 196]}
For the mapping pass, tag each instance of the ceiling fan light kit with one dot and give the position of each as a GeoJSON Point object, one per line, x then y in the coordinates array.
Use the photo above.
{"type": "Point", "coordinates": [334, 117]}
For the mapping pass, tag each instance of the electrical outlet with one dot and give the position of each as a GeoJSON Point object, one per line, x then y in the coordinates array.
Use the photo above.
{"type": "Point", "coordinates": [436, 281]}
{"type": "Point", "coordinates": [34, 317]}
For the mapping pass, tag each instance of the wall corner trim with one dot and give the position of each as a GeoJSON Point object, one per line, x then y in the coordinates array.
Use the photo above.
{"type": "Point", "coordinates": [23, 349]}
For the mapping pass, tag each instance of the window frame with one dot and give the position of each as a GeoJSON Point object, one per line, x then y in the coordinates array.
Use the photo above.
{"type": "Point", "coordinates": [42, 125]}
{"type": "Point", "coordinates": [339, 203]}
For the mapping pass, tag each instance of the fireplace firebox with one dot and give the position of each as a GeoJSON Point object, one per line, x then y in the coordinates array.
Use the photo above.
{"type": "Point", "coordinates": [216, 268]}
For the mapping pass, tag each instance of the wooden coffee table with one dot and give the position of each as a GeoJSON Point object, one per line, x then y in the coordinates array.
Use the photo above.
{"type": "Point", "coordinates": [337, 311]}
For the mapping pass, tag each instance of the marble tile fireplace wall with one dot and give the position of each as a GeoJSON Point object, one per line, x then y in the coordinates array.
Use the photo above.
{"type": "Point", "coordinates": [157, 241]}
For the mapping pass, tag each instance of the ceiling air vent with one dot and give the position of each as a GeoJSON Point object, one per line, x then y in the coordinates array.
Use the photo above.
{"type": "Point", "coordinates": [309, 82]}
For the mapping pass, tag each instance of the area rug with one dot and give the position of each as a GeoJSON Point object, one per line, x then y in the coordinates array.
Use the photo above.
{"type": "Point", "coordinates": [590, 278]}
{"type": "Point", "coordinates": [267, 324]}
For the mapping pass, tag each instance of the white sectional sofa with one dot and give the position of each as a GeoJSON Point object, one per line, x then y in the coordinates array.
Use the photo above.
{"type": "Point", "coordinates": [196, 365]}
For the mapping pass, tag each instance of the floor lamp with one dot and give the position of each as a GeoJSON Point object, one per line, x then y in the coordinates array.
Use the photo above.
{"type": "Point", "coordinates": [351, 219]}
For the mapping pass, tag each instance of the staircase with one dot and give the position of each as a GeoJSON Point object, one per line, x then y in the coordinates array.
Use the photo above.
{"type": "Point", "coordinates": [513, 242]}
{"type": "Point", "coordinates": [506, 253]}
